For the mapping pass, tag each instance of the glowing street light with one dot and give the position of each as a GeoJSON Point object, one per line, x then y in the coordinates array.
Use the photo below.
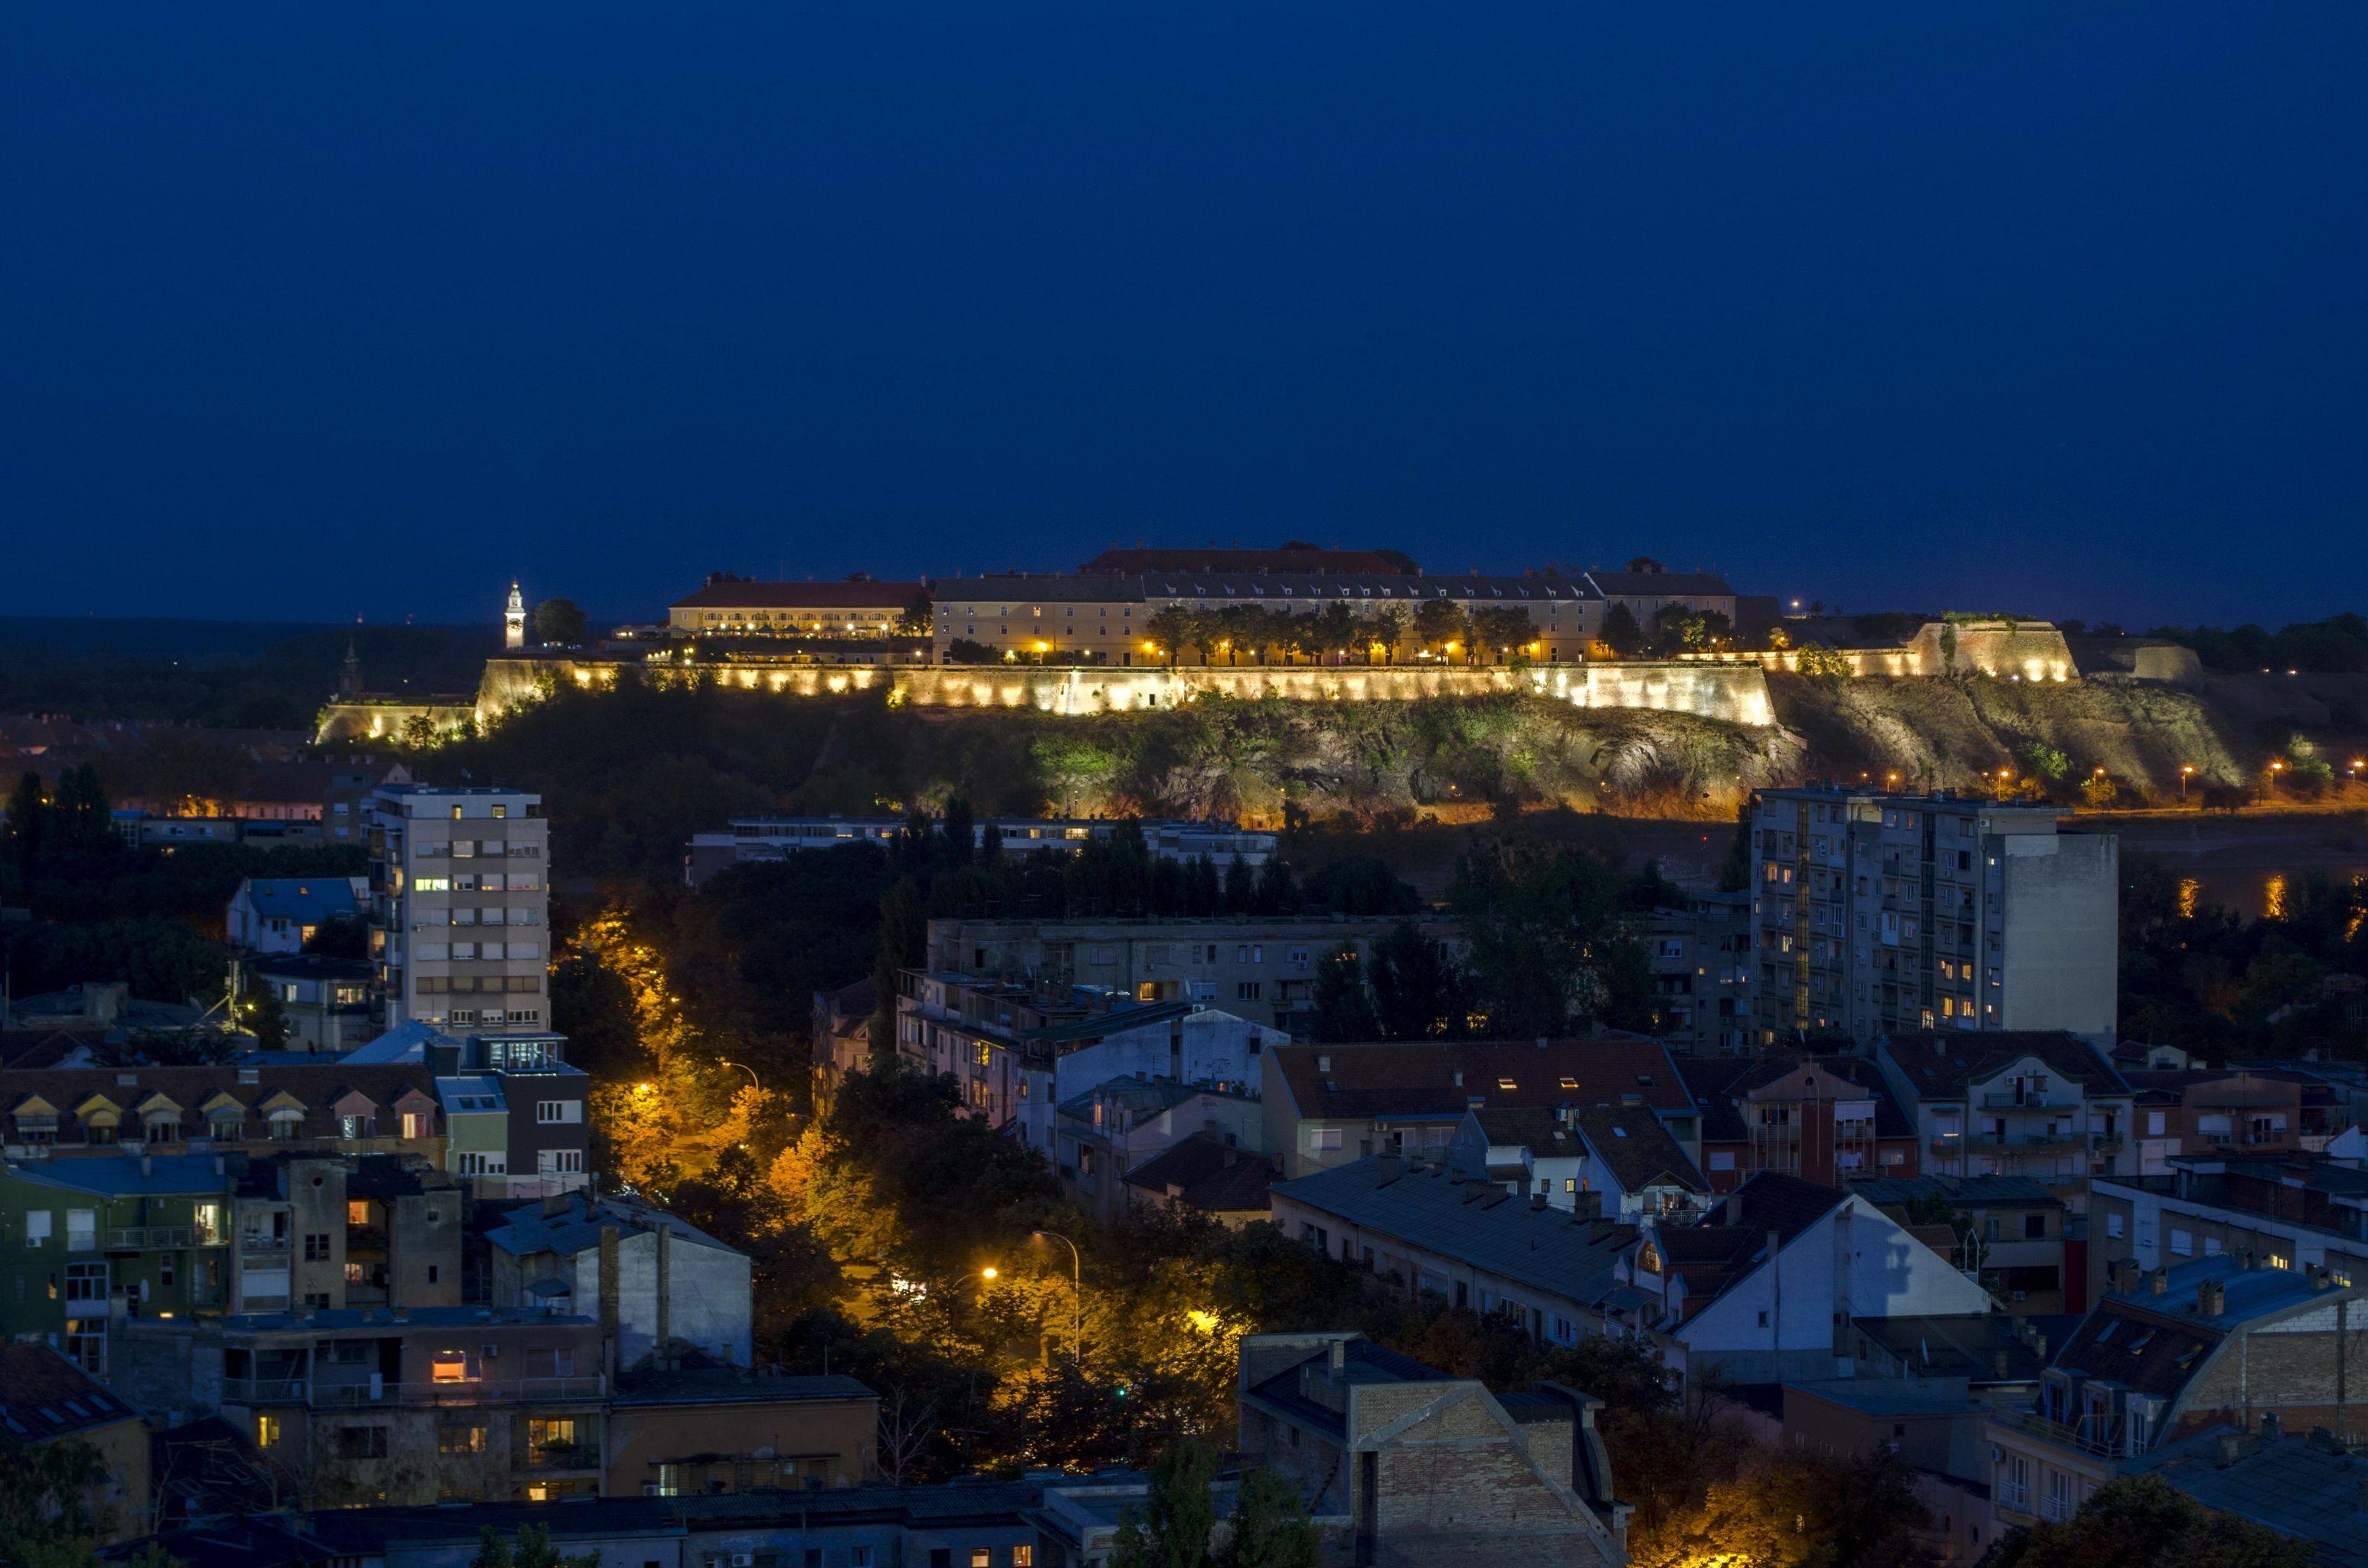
{"type": "Point", "coordinates": [1076, 1293]}
{"type": "Point", "coordinates": [2186, 772]}
{"type": "Point", "coordinates": [746, 1068]}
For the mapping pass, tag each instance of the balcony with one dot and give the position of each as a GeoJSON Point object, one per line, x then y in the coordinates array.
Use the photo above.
{"type": "Point", "coordinates": [2049, 1140]}
{"type": "Point", "coordinates": [2084, 1436]}
{"type": "Point", "coordinates": [262, 1249]}
{"type": "Point", "coordinates": [2007, 1099]}
{"type": "Point", "coordinates": [265, 1390]}
{"type": "Point", "coordinates": [513, 1391]}
{"type": "Point", "coordinates": [160, 1238]}
{"type": "Point", "coordinates": [564, 1456]}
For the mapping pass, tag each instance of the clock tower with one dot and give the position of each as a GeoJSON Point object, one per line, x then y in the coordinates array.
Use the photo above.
{"type": "Point", "coordinates": [514, 619]}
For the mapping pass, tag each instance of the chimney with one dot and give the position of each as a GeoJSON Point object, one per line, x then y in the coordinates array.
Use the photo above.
{"type": "Point", "coordinates": [2228, 1448]}
{"type": "Point", "coordinates": [1338, 1360]}
{"type": "Point", "coordinates": [147, 1163]}
{"type": "Point", "coordinates": [2159, 1283]}
{"type": "Point", "coordinates": [2272, 1430]}
{"type": "Point", "coordinates": [1390, 1168]}
{"type": "Point", "coordinates": [2211, 1299]}
{"type": "Point", "coordinates": [555, 1204]}
{"type": "Point", "coordinates": [2125, 1275]}
{"type": "Point", "coordinates": [1537, 1200]}
{"type": "Point", "coordinates": [2245, 1258]}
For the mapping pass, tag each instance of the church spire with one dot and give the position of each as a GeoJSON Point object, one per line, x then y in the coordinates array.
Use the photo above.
{"type": "Point", "coordinates": [349, 679]}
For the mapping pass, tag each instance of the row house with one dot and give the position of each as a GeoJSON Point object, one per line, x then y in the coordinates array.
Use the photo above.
{"type": "Point", "coordinates": [1875, 912]}
{"type": "Point", "coordinates": [1106, 1132]}
{"type": "Point", "coordinates": [2045, 1105]}
{"type": "Point", "coordinates": [1771, 1284]}
{"type": "Point", "coordinates": [63, 1113]}
{"type": "Point", "coordinates": [1330, 1105]}
{"type": "Point", "coordinates": [1823, 1118]}
{"type": "Point", "coordinates": [1618, 1160]}
{"type": "Point", "coordinates": [514, 1106]}
{"type": "Point", "coordinates": [2219, 1342]}
{"type": "Point", "coordinates": [2298, 1210]}
{"type": "Point", "coordinates": [1261, 968]}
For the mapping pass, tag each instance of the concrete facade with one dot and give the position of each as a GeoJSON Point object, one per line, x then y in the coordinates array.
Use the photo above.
{"type": "Point", "coordinates": [459, 900]}
{"type": "Point", "coordinates": [1875, 912]}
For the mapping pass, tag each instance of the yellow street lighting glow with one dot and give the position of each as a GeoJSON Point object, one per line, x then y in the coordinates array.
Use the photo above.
{"type": "Point", "coordinates": [987, 1273]}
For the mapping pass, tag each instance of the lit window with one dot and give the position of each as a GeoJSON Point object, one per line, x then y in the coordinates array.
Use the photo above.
{"type": "Point", "coordinates": [447, 1367]}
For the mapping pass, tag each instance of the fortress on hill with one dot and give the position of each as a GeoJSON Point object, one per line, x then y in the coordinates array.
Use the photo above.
{"type": "Point", "coordinates": [1137, 629]}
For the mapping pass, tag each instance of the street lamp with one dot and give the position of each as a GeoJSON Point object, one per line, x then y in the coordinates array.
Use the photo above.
{"type": "Point", "coordinates": [2186, 772]}
{"type": "Point", "coordinates": [745, 1068]}
{"type": "Point", "coordinates": [1076, 1294]}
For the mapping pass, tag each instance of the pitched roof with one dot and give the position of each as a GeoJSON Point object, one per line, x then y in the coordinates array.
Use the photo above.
{"type": "Point", "coordinates": [801, 596]}
{"type": "Point", "coordinates": [1662, 584]}
{"type": "Point", "coordinates": [1369, 563]}
{"type": "Point", "coordinates": [1634, 1144]}
{"type": "Point", "coordinates": [578, 1227]}
{"type": "Point", "coordinates": [1472, 1223]}
{"type": "Point", "coordinates": [2307, 1485]}
{"type": "Point", "coordinates": [1942, 1065]}
{"type": "Point", "coordinates": [1964, 1192]}
{"type": "Point", "coordinates": [43, 1396]}
{"type": "Point", "coordinates": [1208, 1175]}
{"type": "Point", "coordinates": [1719, 1084]}
{"type": "Point", "coordinates": [1329, 1081]}
{"type": "Point", "coordinates": [310, 899]}
{"type": "Point", "coordinates": [315, 1086]}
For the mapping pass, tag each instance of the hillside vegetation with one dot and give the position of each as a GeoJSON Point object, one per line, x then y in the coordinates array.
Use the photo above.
{"type": "Point", "coordinates": [630, 774]}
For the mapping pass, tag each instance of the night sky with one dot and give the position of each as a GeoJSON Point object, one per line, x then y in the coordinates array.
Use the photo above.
{"type": "Point", "coordinates": [316, 311]}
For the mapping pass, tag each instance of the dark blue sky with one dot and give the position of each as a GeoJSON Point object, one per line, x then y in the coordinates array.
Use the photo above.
{"type": "Point", "coordinates": [318, 309]}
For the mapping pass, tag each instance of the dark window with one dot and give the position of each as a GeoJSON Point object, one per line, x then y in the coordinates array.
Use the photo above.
{"type": "Point", "coordinates": [942, 1557]}
{"type": "Point", "coordinates": [2035, 1227]}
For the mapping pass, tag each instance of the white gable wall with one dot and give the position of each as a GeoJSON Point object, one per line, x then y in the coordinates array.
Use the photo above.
{"type": "Point", "coordinates": [1855, 1262]}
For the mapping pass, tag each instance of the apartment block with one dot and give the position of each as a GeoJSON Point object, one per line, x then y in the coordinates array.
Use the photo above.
{"type": "Point", "coordinates": [1874, 913]}
{"type": "Point", "coordinates": [324, 1002]}
{"type": "Point", "coordinates": [2231, 1112]}
{"type": "Point", "coordinates": [1618, 1160]}
{"type": "Point", "coordinates": [1259, 968]}
{"type": "Point", "coordinates": [459, 891]}
{"type": "Point", "coordinates": [1702, 966]}
{"type": "Point", "coordinates": [2010, 1232]}
{"type": "Point", "coordinates": [391, 1405]}
{"type": "Point", "coordinates": [664, 1284]}
{"type": "Point", "coordinates": [2045, 1104]}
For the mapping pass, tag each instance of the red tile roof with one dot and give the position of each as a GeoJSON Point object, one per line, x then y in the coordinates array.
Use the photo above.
{"type": "Point", "coordinates": [1330, 1082]}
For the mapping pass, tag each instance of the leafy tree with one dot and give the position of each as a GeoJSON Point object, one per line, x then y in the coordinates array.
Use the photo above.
{"type": "Point", "coordinates": [2044, 760]}
{"type": "Point", "coordinates": [44, 1499]}
{"type": "Point", "coordinates": [1385, 626]}
{"type": "Point", "coordinates": [558, 623]}
{"type": "Point", "coordinates": [532, 1550]}
{"type": "Point", "coordinates": [1735, 870]}
{"type": "Point", "coordinates": [904, 934]}
{"type": "Point", "coordinates": [1241, 887]}
{"type": "Point", "coordinates": [917, 617]}
{"type": "Point", "coordinates": [1172, 1530]}
{"type": "Point", "coordinates": [1268, 1527]}
{"type": "Point", "coordinates": [960, 832]}
{"type": "Point", "coordinates": [1418, 992]}
{"type": "Point", "coordinates": [1336, 629]}
{"type": "Point", "coordinates": [1170, 627]}
{"type": "Point", "coordinates": [2140, 1521]}
{"type": "Point", "coordinates": [1501, 631]}
{"type": "Point", "coordinates": [962, 650]}
{"type": "Point", "coordinates": [1440, 623]}
{"type": "Point", "coordinates": [1344, 1010]}
{"type": "Point", "coordinates": [1620, 632]}
{"type": "Point", "coordinates": [263, 1015]}
{"type": "Point", "coordinates": [1826, 666]}
{"type": "Point", "coordinates": [1545, 942]}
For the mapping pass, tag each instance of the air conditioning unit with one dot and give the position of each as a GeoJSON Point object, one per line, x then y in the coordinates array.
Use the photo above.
{"type": "Point", "coordinates": [490, 1352]}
